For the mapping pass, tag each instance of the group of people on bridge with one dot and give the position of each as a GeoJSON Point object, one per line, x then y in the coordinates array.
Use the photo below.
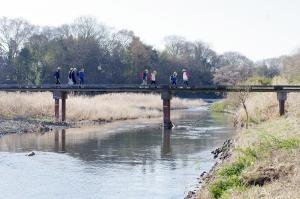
{"type": "Point", "coordinates": [173, 78]}
{"type": "Point", "coordinates": [73, 74]}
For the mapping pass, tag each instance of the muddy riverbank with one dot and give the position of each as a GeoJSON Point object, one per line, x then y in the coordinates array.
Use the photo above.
{"type": "Point", "coordinates": [21, 125]}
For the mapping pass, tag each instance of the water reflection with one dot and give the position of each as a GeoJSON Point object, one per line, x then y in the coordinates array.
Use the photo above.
{"type": "Point", "coordinates": [166, 143]}
{"type": "Point", "coordinates": [136, 153]}
{"type": "Point", "coordinates": [60, 144]}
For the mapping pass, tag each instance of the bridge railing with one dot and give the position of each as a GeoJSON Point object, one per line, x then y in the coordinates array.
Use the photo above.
{"type": "Point", "coordinates": [139, 88]}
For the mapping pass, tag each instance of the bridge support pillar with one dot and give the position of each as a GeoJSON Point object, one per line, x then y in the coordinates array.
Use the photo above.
{"type": "Point", "coordinates": [57, 95]}
{"type": "Point", "coordinates": [56, 109]}
{"type": "Point", "coordinates": [64, 96]}
{"type": "Point", "coordinates": [281, 96]}
{"type": "Point", "coordinates": [166, 96]}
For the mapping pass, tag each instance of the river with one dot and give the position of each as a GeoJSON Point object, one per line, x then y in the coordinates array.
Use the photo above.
{"type": "Point", "coordinates": [128, 159]}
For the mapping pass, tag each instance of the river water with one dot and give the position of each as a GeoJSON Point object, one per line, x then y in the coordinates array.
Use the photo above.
{"type": "Point", "coordinates": [128, 159]}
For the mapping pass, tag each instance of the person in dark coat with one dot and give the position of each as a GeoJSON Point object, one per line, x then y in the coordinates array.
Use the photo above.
{"type": "Point", "coordinates": [74, 74]}
{"type": "Point", "coordinates": [70, 82]}
{"type": "Point", "coordinates": [145, 77]}
{"type": "Point", "coordinates": [57, 75]}
{"type": "Point", "coordinates": [173, 79]}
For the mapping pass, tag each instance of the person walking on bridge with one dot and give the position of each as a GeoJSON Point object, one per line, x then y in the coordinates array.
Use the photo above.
{"type": "Point", "coordinates": [81, 76]}
{"type": "Point", "coordinates": [70, 82]}
{"type": "Point", "coordinates": [153, 78]}
{"type": "Point", "coordinates": [57, 75]}
{"type": "Point", "coordinates": [173, 79]}
{"type": "Point", "coordinates": [74, 75]}
{"type": "Point", "coordinates": [145, 77]}
{"type": "Point", "coordinates": [185, 77]}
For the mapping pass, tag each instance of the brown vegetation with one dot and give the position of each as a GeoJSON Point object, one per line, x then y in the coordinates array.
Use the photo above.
{"type": "Point", "coordinates": [264, 161]}
{"type": "Point", "coordinates": [106, 107]}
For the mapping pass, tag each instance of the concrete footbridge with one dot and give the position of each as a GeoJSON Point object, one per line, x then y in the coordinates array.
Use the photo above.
{"type": "Point", "coordinates": [60, 92]}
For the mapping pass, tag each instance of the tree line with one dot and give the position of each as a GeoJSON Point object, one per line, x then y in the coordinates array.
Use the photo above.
{"type": "Point", "coordinates": [30, 54]}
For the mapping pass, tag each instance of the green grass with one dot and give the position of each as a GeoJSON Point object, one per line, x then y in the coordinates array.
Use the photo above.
{"type": "Point", "coordinates": [229, 176]}
{"type": "Point", "coordinates": [275, 142]}
{"type": "Point", "coordinates": [294, 79]}
{"type": "Point", "coordinates": [221, 106]}
{"type": "Point", "coordinates": [254, 120]}
{"type": "Point", "coordinates": [232, 169]}
{"type": "Point", "coordinates": [260, 80]}
{"type": "Point", "coordinates": [219, 187]}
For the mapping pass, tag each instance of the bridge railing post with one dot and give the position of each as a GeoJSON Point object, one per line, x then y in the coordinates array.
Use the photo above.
{"type": "Point", "coordinates": [166, 96]}
{"type": "Point", "coordinates": [281, 97]}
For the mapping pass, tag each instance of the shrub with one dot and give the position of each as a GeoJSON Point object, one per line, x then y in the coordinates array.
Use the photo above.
{"type": "Point", "coordinates": [220, 186]}
{"type": "Point", "coordinates": [232, 169]}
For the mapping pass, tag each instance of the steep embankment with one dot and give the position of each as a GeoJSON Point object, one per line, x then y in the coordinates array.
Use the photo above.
{"type": "Point", "coordinates": [264, 159]}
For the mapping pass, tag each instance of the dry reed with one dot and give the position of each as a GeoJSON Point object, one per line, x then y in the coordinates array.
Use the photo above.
{"type": "Point", "coordinates": [106, 107]}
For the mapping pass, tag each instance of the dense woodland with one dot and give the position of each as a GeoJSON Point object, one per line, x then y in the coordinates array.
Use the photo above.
{"type": "Point", "coordinates": [30, 54]}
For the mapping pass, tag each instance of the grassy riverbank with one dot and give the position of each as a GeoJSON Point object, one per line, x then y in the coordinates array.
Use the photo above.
{"type": "Point", "coordinates": [264, 160]}
{"type": "Point", "coordinates": [107, 107]}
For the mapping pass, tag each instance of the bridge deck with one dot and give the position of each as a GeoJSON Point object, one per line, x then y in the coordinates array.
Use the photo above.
{"type": "Point", "coordinates": [138, 88]}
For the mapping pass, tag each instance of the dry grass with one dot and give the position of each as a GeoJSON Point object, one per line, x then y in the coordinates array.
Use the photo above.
{"type": "Point", "coordinates": [101, 107]}
{"type": "Point", "coordinates": [264, 106]}
{"type": "Point", "coordinates": [269, 152]}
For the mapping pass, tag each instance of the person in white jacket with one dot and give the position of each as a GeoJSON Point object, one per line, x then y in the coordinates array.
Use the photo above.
{"type": "Point", "coordinates": [153, 78]}
{"type": "Point", "coordinates": [185, 77]}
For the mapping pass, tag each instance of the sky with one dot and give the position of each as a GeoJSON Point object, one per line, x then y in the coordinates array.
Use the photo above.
{"type": "Point", "coordinates": [258, 29]}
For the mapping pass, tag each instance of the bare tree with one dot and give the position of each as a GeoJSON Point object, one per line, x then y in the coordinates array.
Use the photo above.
{"type": "Point", "coordinates": [233, 68]}
{"type": "Point", "coordinates": [178, 47]}
{"type": "Point", "coordinates": [243, 96]}
{"type": "Point", "coordinates": [291, 66]}
{"type": "Point", "coordinates": [13, 34]}
{"type": "Point", "coordinates": [87, 27]}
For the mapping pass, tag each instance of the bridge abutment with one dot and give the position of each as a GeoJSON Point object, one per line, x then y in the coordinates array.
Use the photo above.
{"type": "Point", "coordinates": [281, 97]}
{"type": "Point", "coordinates": [166, 96]}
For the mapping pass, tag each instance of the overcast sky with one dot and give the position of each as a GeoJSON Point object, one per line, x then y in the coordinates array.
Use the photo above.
{"type": "Point", "coordinates": [256, 28]}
